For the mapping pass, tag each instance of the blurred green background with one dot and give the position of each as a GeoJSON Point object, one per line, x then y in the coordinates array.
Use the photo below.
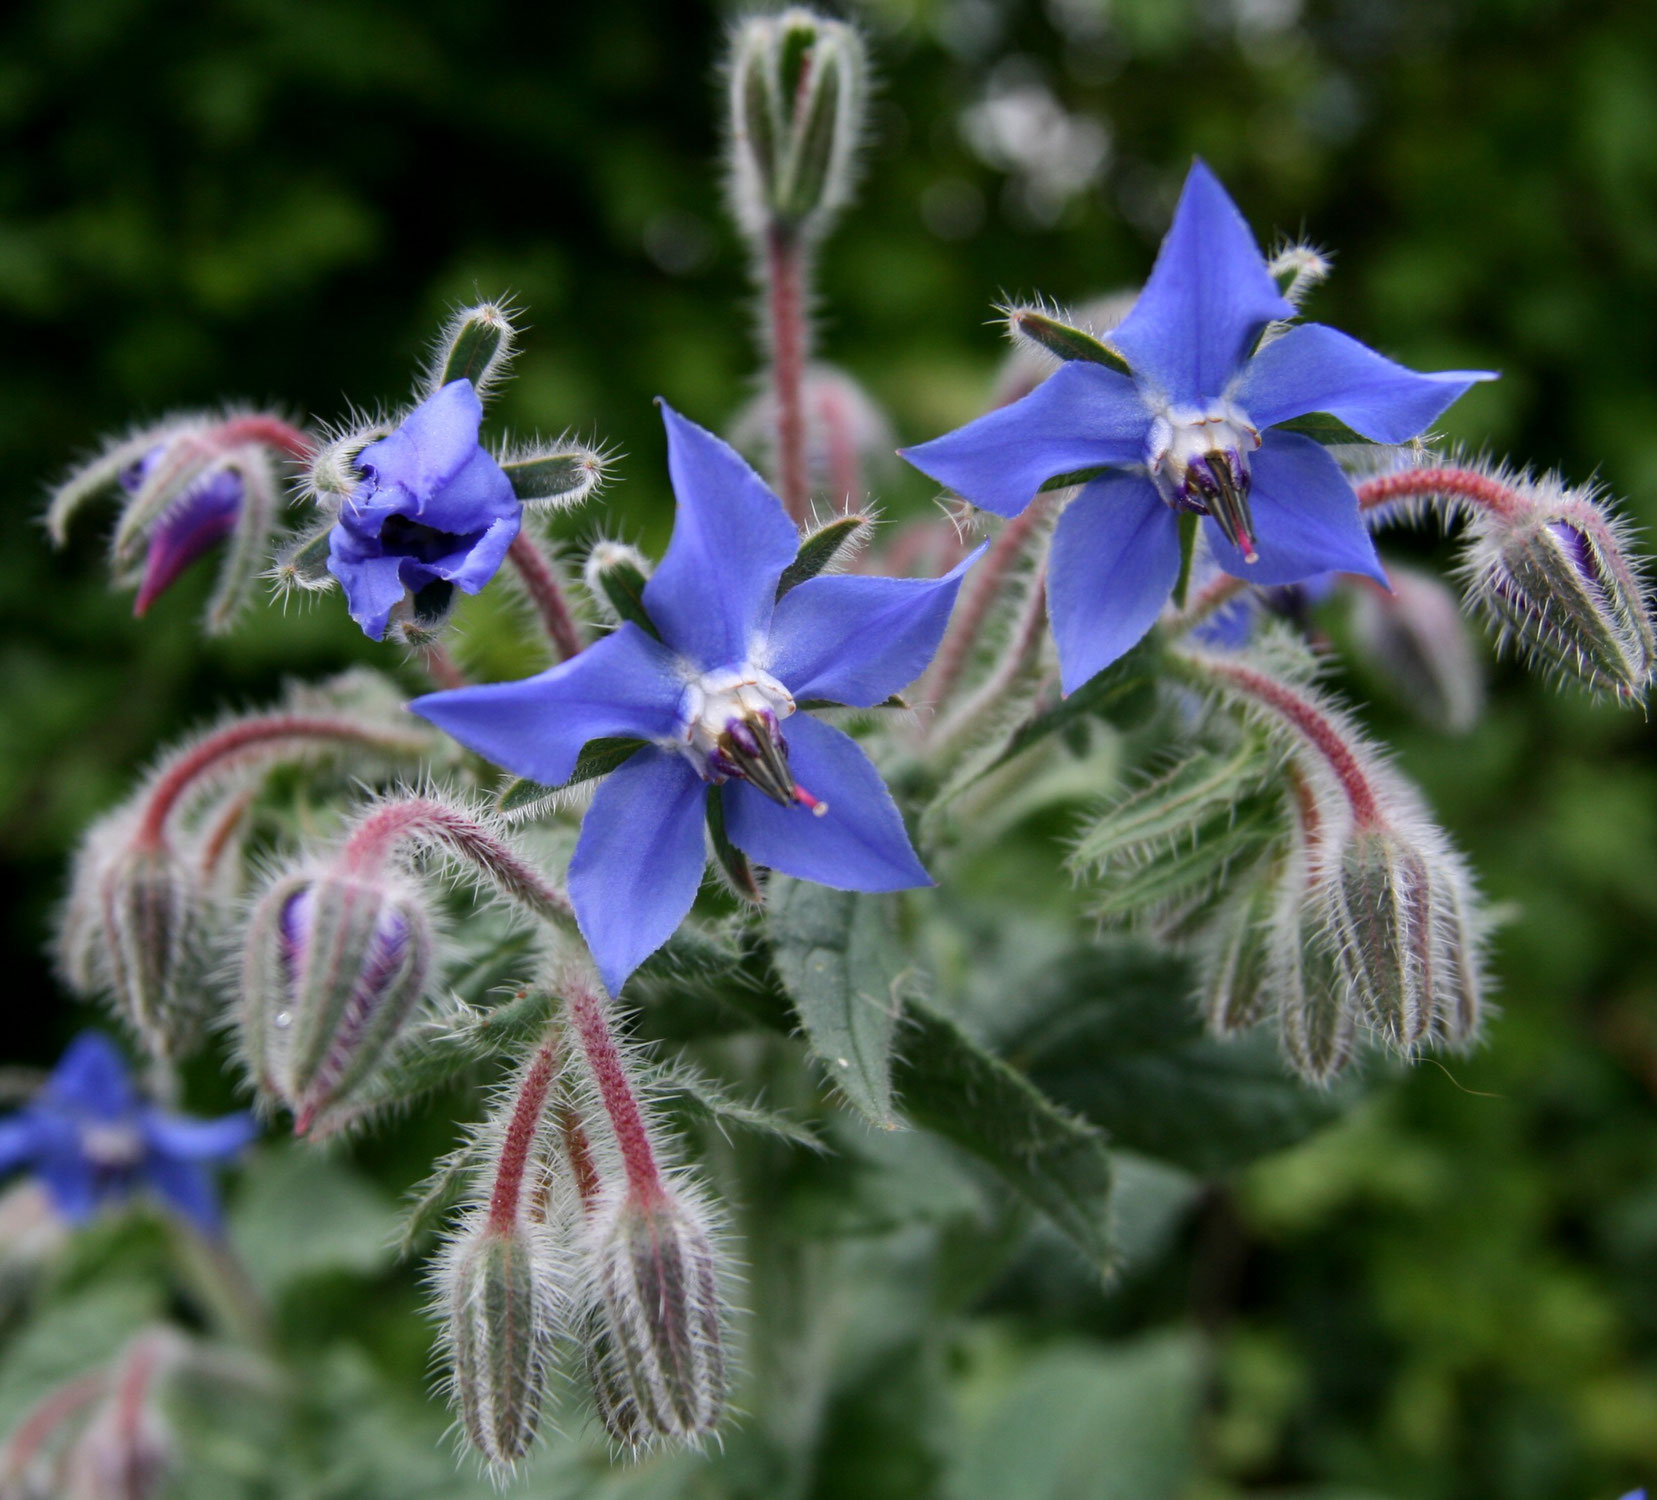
{"type": "Point", "coordinates": [1451, 1294]}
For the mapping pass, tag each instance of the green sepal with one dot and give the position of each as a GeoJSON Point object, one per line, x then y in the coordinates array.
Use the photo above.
{"type": "Point", "coordinates": [598, 758]}
{"type": "Point", "coordinates": [1075, 477]}
{"type": "Point", "coordinates": [1063, 339]}
{"type": "Point", "coordinates": [820, 549]}
{"type": "Point", "coordinates": [1323, 428]}
{"type": "Point", "coordinates": [1187, 551]}
{"type": "Point", "coordinates": [623, 587]}
{"type": "Point", "coordinates": [738, 871]}
{"type": "Point", "coordinates": [474, 347]}
{"type": "Point", "coordinates": [304, 562]}
{"type": "Point", "coordinates": [551, 476]}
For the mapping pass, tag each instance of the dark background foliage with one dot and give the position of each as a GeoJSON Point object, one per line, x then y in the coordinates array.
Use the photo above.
{"type": "Point", "coordinates": [1448, 1294]}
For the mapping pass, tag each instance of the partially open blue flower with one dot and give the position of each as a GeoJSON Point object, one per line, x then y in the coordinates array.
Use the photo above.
{"type": "Point", "coordinates": [93, 1141]}
{"type": "Point", "coordinates": [1194, 427]}
{"type": "Point", "coordinates": [713, 696]}
{"type": "Point", "coordinates": [433, 509]}
{"type": "Point", "coordinates": [201, 518]}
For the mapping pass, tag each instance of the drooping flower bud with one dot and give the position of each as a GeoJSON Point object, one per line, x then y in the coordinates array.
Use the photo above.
{"type": "Point", "coordinates": [1234, 960]}
{"type": "Point", "coordinates": [1316, 1019]}
{"type": "Point", "coordinates": [797, 102]}
{"type": "Point", "coordinates": [335, 964]}
{"type": "Point", "coordinates": [147, 956]}
{"type": "Point", "coordinates": [501, 1293]}
{"type": "Point", "coordinates": [657, 1318]}
{"type": "Point", "coordinates": [1416, 638]}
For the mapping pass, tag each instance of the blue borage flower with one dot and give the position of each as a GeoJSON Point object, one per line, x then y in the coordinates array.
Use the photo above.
{"type": "Point", "coordinates": [92, 1141]}
{"type": "Point", "coordinates": [1194, 427]}
{"type": "Point", "coordinates": [201, 518]}
{"type": "Point", "coordinates": [433, 508]}
{"type": "Point", "coordinates": [714, 696]}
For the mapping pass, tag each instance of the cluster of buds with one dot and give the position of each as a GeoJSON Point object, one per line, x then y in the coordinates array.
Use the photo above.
{"type": "Point", "coordinates": [578, 1235]}
{"type": "Point", "coordinates": [149, 886]}
{"type": "Point", "coordinates": [339, 953]}
{"type": "Point", "coordinates": [186, 485]}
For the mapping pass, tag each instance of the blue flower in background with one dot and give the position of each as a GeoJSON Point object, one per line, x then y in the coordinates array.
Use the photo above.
{"type": "Point", "coordinates": [714, 697]}
{"type": "Point", "coordinates": [1191, 429]}
{"type": "Point", "coordinates": [199, 520]}
{"type": "Point", "coordinates": [433, 508]}
{"type": "Point", "coordinates": [92, 1141]}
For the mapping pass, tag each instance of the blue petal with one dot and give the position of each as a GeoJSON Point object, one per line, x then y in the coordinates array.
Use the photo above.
{"type": "Point", "coordinates": [1313, 368]}
{"type": "Point", "coordinates": [76, 1188]}
{"type": "Point", "coordinates": [91, 1080]}
{"type": "Point", "coordinates": [712, 596]}
{"type": "Point", "coordinates": [1306, 518]}
{"type": "Point", "coordinates": [430, 445]}
{"type": "Point", "coordinates": [638, 861]}
{"type": "Point", "coordinates": [1083, 416]}
{"type": "Point", "coordinates": [373, 585]}
{"type": "Point", "coordinates": [624, 685]}
{"type": "Point", "coordinates": [186, 1187]}
{"type": "Point", "coordinates": [859, 844]}
{"type": "Point", "coordinates": [22, 1138]}
{"type": "Point", "coordinates": [858, 640]}
{"type": "Point", "coordinates": [1208, 297]}
{"type": "Point", "coordinates": [1114, 561]}
{"type": "Point", "coordinates": [197, 1140]}
{"type": "Point", "coordinates": [477, 495]}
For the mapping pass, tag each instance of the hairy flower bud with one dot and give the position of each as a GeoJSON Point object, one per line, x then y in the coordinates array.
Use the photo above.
{"type": "Point", "coordinates": [147, 955]}
{"type": "Point", "coordinates": [1317, 1021]}
{"type": "Point", "coordinates": [1417, 640]}
{"type": "Point", "coordinates": [334, 966]}
{"type": "Point", "coordinates": [655, 1334]}
{"type": "Point", "coordinates": [125, 1452]}
{"type": "Point", "coordinates": [1553, 571]}
{"type": "Point", "coordinates": [1382, 904]}
{"type": "Point", "coordinates": [1234, 960]}
{"type": "Point", "coordinates": [797, 101]}
{"type": "Point", "coordinates": [615, 575]}
{"type": "Point", "coordinates": [501, 1306]}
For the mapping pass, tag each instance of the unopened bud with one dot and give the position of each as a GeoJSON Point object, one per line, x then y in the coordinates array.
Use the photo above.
{"type": "Point", "coordinates": [332, 473]}
{"type": "Point", "coordinates": [1316, 1019]}
{"type": "Point", "coordinates": [148, 949]}
{"type": "Point", "coordinates": [615, 575]}
{"type": "Point", "coordinates": [797, 103]}
{"type": "Point", "coordinates": [501, 1292]}
{"type": "Point", "coordinates": [1416, 638]}
{"type": "Point", "coordinates": [1234, 960]}
{"type": "Point", "coordinates": [126, 1451]}
{"type": "Point", "coordinates": [1382, 919]}
{"type": "Point", "coordinates": [334, 966]}
{"type": "Point", "coordinates": [475, 345]}
{"type": "Point", "coordinates": [657, 1335]}
{"type": "Point", "coordinates": [1556, 575]}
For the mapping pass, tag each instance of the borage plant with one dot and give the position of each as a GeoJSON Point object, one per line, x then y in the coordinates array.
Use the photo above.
{"type": "Point", "coordinates": [498, 905]}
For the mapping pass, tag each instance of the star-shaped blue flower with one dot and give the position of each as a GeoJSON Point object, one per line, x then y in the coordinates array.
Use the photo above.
{"type": "Point", "coordinates": [433, 507]}
{"type": "Point", "coordinates": [92, 1140]}
{"type": "Point", "coordinates": [714, 696]}
{"type": "Point", "coordinates": [1194, 427]}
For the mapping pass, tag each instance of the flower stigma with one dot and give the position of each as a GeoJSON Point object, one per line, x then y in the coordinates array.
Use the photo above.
{"type": "Point", "coordinates": [1198, 458]}
{"type": "Point", "coordinates": [733, 727]}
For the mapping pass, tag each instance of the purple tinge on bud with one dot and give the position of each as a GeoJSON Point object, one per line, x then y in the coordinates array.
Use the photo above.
{"type": "Point", "coordinates": [654, 1343]}
{"type": "Point", "coordinates": [501, 1303]}
{"type": "Point", "coordinates": [197, 521]}
{"type": "Point", "coordinates": [432, 512]}
{"type": "Point", "coordinates": [333, 969]}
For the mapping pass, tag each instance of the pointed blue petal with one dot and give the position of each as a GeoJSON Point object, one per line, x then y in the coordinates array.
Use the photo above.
{"type": "Point", "coordinates": [75, 1188]}
{"type": "Point", "coordinates": [625, 685]}
{"type": "Point", "coordinates": [472, 564]}
{"type": "Point", "coordinates": [430, 445]}
{"type": "Point", "coordinates": [1083, 416]}
{"type": "Point", "coordinates": [187, 1188]}
{"type": "Point", "coordinates": [373, 585]}
{"type": "Point", "coordinates": [858, 640]}
{"type": "Point", "coordinates": [712, 596]}
{"type": "Point", "coordinates": [197, 1140]}
{"type": "Point", "coordinates": [476, 495]}
{"type": "Point", "coordinates": [1208, 297]}
{"type": "Point", "coordinates": [22, 1139]}
{"type": "Point", "coordinates": [859, 844]}
{"type": "Point", "coordinates": [1306, 517]}
{"type": "Point", "coordinates": [639, 860]}
{"type": "Point", "coordinates": [1115, 560]}
{"type": "Point", "coordinates": [1313, 368]}
{"type": "Point", "coordinates": [91, 1079]}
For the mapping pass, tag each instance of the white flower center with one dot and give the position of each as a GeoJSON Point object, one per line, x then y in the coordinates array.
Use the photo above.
{"type": "Point", "coordinates": [1198, 459]}
{"type": "Point", "coordinates": [732, 726]}
{"type": "Point", "coordinates": [111, 1146]}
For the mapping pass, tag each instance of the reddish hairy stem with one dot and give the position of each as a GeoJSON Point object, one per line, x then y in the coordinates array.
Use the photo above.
{"type": "Point", "coordinates": [241, 739]}
{"type": "Point", "coordinates": [542, 585]}
{"type": "Point", "coordinates": [621, 1106]}
{"type": "Point", "coordinates": [1465, 484]}
{"type": "Point", "coordinates": [845, 472]}
{"type": "Point", "coordinates": [1020, 653]}
{"type": "Point", "coordinates": [506, 1198]}
{"type": "Point", "coordinates": [49, 1413]}
{"type": "Point", "coordinates": [132, 1387]}
{"type": "Point", "coordinates": [785, 313]}
{"type": "Point", "coordinates": [224, 829]}
{"type": "Point", "coordinates": [372, 840]}
{"type": "Point", "coordinates": [580, 1152]}
{"type": "Point", "coordinates": [1311, 724]}
{"type": "Point", "coordinates": [271, 432]}
{"type": "Point", "coordinates": [978, 597]}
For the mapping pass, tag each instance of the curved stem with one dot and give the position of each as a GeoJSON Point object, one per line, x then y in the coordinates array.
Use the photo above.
{"type": "Point", "coordinates": [541, 583]}
{"type": "Point", "coordinates": [268, 431]}
{"type": "Point", "coordinates": [785, 309]}
{"type": "Point", "coordinates": [1463, 484]}
{"type": "Point", "coordinates": [621, 1106]}
{"type": "Point", "coordinates": [518, 1143]}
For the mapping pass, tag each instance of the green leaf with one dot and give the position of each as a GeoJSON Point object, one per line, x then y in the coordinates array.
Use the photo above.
{"type": "Point", "coordinates": [524, 798]}
{"type": "Point", "coordinates": [1063, 339]}
{"type": "Point", "coordinates": [473, 348]}
{"type": "Point", "coordinates": [431, 1202]}
{"type": "Point", "coordinates": [1215, 854]}
{"type": "Point", "coordinates": [1111, 1031]}
{"type": "Point", "coordinates": [1112, 1423]}
{"type": "Point", "coordinates": [1056, 1161]}
{"type": "Point", "coordinates": [694, 1094]}
{"type": "Point", "coordinates": [819, 549]}
{"type": "Point", "coordinates": [1323, 428]}
{"type": "Point", "coordinates": [301, 1215]}
{"type": "Point", "coordinates": [621, 580]}
{"type": "Point", "coordinates": [838, 960]}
